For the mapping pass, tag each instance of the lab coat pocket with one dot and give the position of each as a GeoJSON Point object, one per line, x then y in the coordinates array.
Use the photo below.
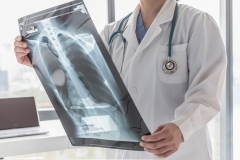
{"type": "Point", "coordinates": [179, 55]}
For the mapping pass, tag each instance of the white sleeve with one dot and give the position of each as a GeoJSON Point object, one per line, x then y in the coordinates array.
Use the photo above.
{"type": "Point", "coordinates": [207, 70]}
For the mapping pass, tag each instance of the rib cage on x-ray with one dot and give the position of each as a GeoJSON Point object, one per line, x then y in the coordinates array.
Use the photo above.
{"type": "Point", "coordinates": [80, 78]}
{"type": "Point", "coordinates": [83, 96]}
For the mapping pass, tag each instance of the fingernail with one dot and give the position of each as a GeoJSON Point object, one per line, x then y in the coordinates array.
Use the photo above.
{"type": "Point", "coordinates": [141, 144]}
{"type": "Point", "coordinates": [143, 138]}
{"type": "Point", "coordinates": [19, 38]}
{"type": "Point", "coordinates": [27, 50]}
{"type": "Point", "coordinates": [145, 149]}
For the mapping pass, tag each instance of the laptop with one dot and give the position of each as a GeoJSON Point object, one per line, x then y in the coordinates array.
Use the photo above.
{"type": "Point", "coordinates": [19, 117]}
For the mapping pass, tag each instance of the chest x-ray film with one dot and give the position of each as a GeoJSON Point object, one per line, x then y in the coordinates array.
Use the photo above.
{"type": "Point", "coordinates": [80, 78]}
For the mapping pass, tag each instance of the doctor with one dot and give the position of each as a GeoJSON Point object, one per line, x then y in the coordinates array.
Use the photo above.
{"type": "Point", "coordinates": [178, 99]}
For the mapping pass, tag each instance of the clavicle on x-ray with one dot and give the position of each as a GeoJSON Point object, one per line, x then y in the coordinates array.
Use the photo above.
{"type": "Point", "coordinates": [88, 97]}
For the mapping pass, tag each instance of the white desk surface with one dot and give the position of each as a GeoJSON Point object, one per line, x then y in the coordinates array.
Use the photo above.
{"type": "Point", "coordinates": [56, 139]}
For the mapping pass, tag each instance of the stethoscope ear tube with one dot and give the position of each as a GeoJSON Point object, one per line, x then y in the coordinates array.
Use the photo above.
{"type": "Point", "coordinates": [172, 31]}
{"type": "Point", "coordinates": [120, 30]}
{"type": "Point", "coordinates": [113, 36]}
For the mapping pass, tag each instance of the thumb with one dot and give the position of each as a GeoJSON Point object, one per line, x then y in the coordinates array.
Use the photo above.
{"type": "Point", "coordinates": [159, 129]}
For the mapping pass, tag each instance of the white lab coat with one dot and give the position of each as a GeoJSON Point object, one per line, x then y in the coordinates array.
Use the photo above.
{"type": "Point", "coordinates": [189, 98]}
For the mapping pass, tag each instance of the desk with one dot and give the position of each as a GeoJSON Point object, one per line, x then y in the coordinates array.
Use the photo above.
{"type": "Point", "coordinates": [56, 139]}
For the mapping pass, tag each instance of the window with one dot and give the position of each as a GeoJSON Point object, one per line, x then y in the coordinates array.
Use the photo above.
{"type": "Point", "coordinates": [124, 7]}
{"type": "Point", "coordinates": [236, 80]}
{"type": "Point", "coordinates": [17, 80]}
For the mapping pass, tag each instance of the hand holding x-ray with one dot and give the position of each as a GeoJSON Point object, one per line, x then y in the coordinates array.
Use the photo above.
{"type": "Point", "coordinates": [21, 51]}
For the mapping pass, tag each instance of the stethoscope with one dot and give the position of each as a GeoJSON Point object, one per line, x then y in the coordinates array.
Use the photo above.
{"type": "Point", "coordinates": [169, 66]}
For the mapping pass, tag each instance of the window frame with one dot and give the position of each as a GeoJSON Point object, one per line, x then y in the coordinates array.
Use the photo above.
{"type": "Point", "coordinates": [111, 11]}
{"type": "Point", "coordinates": [226, 25]}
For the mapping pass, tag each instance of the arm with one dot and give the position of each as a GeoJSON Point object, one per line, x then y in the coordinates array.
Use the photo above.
{"type": "Point", "coordinates": [207, 69]}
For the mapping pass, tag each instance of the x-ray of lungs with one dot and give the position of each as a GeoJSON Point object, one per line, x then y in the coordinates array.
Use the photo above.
{"type": "Point", "coordinates": [80, 78]}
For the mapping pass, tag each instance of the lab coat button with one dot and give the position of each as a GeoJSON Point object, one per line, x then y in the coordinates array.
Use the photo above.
{"type": "Point", "coordinates": [137, 57]}
{"type": "Point", "coordinates": [134, 90]}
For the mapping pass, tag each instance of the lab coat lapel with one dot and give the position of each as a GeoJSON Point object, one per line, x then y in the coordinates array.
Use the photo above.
{"type": "Point", "coordinates": [130, 31]}
{"type": "Point", "coordinates": [165, 15]}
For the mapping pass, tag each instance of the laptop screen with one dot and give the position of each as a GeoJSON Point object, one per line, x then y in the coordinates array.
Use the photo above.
{"type": "Point", "coordinates": [18, 113]}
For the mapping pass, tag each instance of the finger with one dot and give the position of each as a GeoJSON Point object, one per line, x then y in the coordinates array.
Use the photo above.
{"type": "Point", "coordinates": [165, 155]}
{"type": "Point", "coordinates": [18, 38]}
{"type": "Point", "coordinates": [20, 55]}
{"type": "Point", "coordinates": [20, 44]}
{"type": "Point", "coordinates": [154, 145]}
{"type": "Point", "coordinates": [159, 151]}
{"type": "Point", "coordinates": [154, 137]}
{"type": "Point", "coordinates": [21, 50]}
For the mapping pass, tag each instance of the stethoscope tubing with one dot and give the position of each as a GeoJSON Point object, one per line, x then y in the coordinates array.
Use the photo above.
{"type": "Point", "coordinates": [120, 32]}
{"type": "Point", "coordinates": [172, 31]}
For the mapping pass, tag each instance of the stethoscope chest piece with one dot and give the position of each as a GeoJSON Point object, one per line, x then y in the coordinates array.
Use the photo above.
{"type": "Point", "coordinates": [170, 67]}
